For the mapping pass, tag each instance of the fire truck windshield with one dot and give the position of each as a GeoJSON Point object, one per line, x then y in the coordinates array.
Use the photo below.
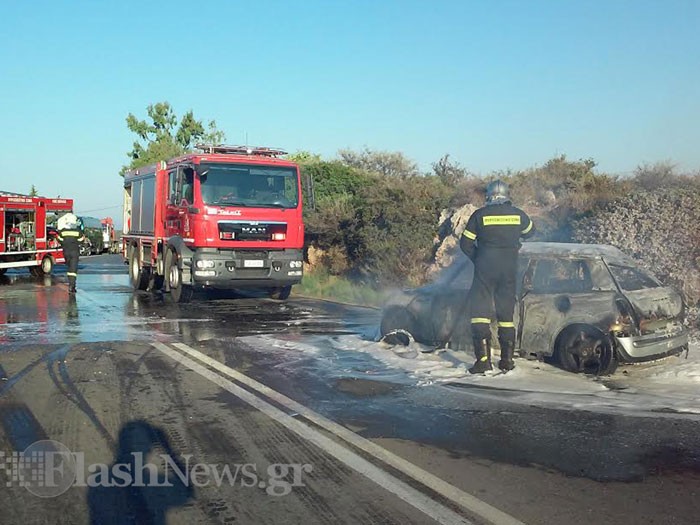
{"type": "Point", "coordinates": [254, 186]}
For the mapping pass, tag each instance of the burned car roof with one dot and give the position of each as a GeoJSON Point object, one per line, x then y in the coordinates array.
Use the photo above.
{"type": "Point", "coordinates": [561, 249]}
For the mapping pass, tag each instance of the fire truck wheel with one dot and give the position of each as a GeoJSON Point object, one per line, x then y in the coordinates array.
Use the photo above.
{"type": "Point", "coordinates": [45, 268]}
{"type": "Point", "coordinates": [179, 292]}
{"type": "Point", "coordinates": [138, 275]}
{"type": "Point", "coordinates": [281, 293]}
{"type": "Point", "coordinates": [47, 265]}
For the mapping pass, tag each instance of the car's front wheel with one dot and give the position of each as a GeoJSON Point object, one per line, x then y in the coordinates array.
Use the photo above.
{"type": "Point", "coordinates": [586, 350]}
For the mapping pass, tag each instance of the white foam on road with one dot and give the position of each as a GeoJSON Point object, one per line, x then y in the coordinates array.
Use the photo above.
{"type": "Point", "coordinates": [665, 387]}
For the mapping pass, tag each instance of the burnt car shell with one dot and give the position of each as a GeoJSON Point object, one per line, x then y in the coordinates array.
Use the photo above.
{"type": "Point", "coordinates": [580, 299]}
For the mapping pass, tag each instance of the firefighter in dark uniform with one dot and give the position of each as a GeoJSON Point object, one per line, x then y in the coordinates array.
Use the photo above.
{"type": "Point", "coordinates": [491, 240]}
{"type": "Point", "coordinates": [71, 236]}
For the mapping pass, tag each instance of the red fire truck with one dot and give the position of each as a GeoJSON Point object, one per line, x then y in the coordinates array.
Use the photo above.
{"type": "Point", "coordinates": [228, 217]}
{"type": "Point", "coordinates": [28, 237]}
{"type": "Point", "coordinates": [110, 243]}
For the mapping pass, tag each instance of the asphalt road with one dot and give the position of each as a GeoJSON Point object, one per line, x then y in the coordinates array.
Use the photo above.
{"type": "Point", "coordinates": [140, 406]}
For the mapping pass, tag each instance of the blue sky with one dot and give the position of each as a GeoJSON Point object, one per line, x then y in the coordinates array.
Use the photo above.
{"type": "Point", "coordinates": [503, 84]}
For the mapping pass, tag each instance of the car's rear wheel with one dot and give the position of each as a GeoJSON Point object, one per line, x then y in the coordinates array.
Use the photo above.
{"type": "Point", "coordinates": [586, 350]}
{"type": "Point", "coordinates": [397, 318]}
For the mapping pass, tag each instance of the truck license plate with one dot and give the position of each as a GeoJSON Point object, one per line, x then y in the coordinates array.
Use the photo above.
{"type": "Point", "coordinates": [254, 263]}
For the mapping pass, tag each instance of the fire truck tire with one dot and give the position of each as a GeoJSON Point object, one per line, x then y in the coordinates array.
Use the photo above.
{"type": "Point", "coordinates": [45, 268]}
{"type": "Point", "coordinates": [47, 265]}
{"type": "Point", "coordinates": [138, 275]}
{"type": "Point", "coordinates": [281, 294]}
{"type": "Point", "coordinates": [179, 292]}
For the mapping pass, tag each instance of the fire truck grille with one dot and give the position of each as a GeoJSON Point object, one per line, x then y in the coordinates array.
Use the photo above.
{"type": "Point", "coordinates": [251, 231]}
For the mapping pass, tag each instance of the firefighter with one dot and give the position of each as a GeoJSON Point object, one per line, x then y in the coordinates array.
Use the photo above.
{"type": "Point", "coordinates": [492, 241]}
{"type": "Point", "coordinates": [71, 236]}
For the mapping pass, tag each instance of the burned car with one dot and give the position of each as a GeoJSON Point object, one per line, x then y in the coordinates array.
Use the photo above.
{"type": "Point", "coordinates": [584, 306]}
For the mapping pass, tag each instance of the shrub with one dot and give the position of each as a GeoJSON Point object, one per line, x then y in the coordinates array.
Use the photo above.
{"type": "Point", "coordinates": [395, 225]}
{"type": "Point", "coordinates": [658, 228]}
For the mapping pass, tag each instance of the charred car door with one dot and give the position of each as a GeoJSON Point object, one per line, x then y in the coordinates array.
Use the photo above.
{"type": "Point", "coordinates": [560, 292]}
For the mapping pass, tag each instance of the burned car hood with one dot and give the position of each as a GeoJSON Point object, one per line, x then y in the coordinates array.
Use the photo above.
{"type": "Point", "coordinates": [656, 303]}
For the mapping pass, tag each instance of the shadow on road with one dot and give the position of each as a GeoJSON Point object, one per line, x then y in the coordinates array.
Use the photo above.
{"type": "Point", "coordinates": [134, 490]}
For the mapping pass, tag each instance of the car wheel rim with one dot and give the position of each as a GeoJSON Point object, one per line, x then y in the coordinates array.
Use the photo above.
{"type": "Point", "coordinates": [592, 356]}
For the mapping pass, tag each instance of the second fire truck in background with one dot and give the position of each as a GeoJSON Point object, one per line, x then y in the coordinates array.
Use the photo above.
{"type": "Point", "coordinates": [110, 242]}
{"type": "Point", "coordinates": [28, 235]}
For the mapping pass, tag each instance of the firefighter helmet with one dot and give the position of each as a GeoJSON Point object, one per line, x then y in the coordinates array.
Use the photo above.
{"type": "Point", "coordinates": [67, 221]}
{"type": "Point", "coordinates": [497, 192]}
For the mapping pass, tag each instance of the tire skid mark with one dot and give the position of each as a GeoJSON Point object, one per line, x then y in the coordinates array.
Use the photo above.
{"type": "Point", "coordinates": [174, 423]}
{"type": "Point", "coordinates": [271, 442]}
{"type": "Point", "coordinates": [277, 445]}
{"type": "Point", "coordinates": [66, 387]}
{"type": "Point", "coordinates": [12, 381]}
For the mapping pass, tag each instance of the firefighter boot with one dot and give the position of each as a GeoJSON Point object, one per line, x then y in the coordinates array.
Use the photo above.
{"type": "Point", "coordinates": [507, 349]}
{"type": "Point", "coordinates": [482, 350]}
{"type": "Point", "coordinates": [71, 284]}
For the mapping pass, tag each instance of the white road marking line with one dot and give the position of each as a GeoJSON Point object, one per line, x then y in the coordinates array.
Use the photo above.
{"type": "Point", "coordinates": [413, 497]}
{"type": "Point", "coordinates": [467, 501]}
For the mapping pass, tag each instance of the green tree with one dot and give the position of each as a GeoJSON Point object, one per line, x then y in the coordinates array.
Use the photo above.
{"type": "Point", "coordinates": [161, 137]}
{"type": "Point", "coordinates": [33, 192]}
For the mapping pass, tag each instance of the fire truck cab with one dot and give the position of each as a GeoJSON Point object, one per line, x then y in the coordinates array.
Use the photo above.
{"type": "Point", "coordinates": [228, 217]}
{"type": "Point", "coordinates": [28, 234]}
